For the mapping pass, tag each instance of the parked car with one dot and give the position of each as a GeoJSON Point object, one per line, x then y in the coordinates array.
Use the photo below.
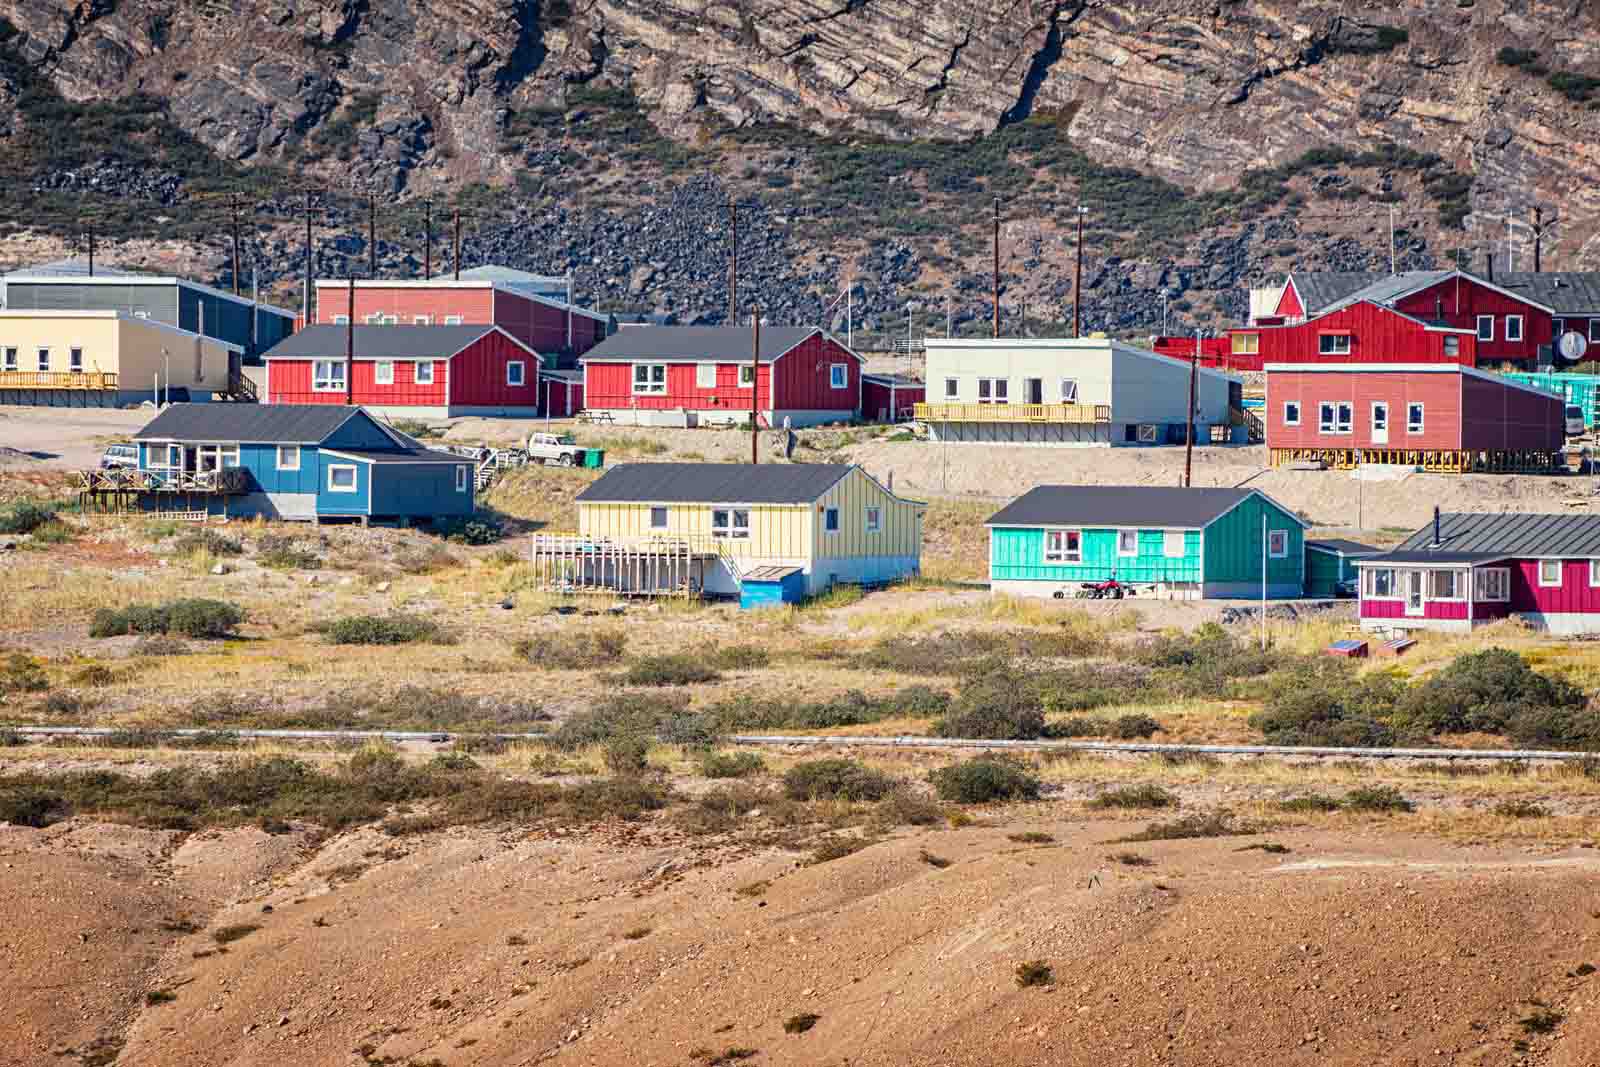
{"type": "Point", "coordinates": [119, 457]}
{"type": "Point", "coordinates": [554, 448]}
{"type": "Point", "coordinates": [1574, 416]}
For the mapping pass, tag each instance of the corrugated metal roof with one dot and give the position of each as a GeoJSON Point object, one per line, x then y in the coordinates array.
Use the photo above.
{"type": "Point", "coordinates": [1439, 559]}
{"type": "Point", "coordinates": [1319, 289]}
{"type": "Point", "coordinates": [1392, 287]}
{"type": "Point", "coordinates": [714, 483]}
{"type": "Point", "coordinates": [279, 424]}
{"type": "Point", "coordinates": [378, 342]}
{"type": "Point", "coordinates": [899, 381]}
{"type": "Point", "coordinates": [1340, 544]}
{"type": "Point", "coordinates": [770, 573]}
{"type": "Point", "coordinates": [1568, 292]}
{"type": "Point", "coordinates": [71, 268]}
{"type": "Point", "coordinates": [1511, 533]}
{"type": "Point", "coordinates": [720, 343]}
{"type": "Point", "coordinates": [1119, 505]}
{"type": "Point", "coordinates": [410, 456]}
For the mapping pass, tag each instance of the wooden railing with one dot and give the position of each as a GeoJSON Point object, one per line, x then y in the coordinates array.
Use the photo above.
{"type": "Point", "coordinates": [1064, 413]}
{"type": "Point", "coordinates": [227, 480]}
{"type": "Point", "coordinates": [31, 379]}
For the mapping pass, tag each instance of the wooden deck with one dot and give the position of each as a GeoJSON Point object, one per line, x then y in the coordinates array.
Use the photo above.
{"type": "Point", "coordinates": [642, 566]}
{"type": "Point", "coordinates": [121, 490]}
{"type": "Point", "coordinates": [1056, 413]}
{"type": "Point", "coordinates": [28, 379]}
{"type": "Point", "coordinates": [1439, 462]}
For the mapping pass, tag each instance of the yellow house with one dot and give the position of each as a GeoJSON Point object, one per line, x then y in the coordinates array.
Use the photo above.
{"type": "Point", "coordinates": [752, 525]}
{"type": "Point", "coordinates": [107, 358]}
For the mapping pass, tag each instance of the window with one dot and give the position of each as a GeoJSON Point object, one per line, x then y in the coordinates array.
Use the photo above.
{"type": "Point", "coordinates": [44, 359]}
{"type": "Point", "coordinates": [993, 390]}
{"type": "Point", "coordinates": [1324, 417]}
{"type": "Point", "coordinates": [1452, 345]}
{"type": "Point", "coordinates": [341, 320]}
{"type": "Point", "coordinates": [514, 372]}
{"type": "Point", "coordinates": [342, 478]}
{"type": "Point", "coordinates": [1557, 328]}
{"type": "Point", "coordinates": [1069, 390]}
{"type": "Point", "coordinates": [1486, 327]}
{"type": "Point", "coordinates": [1413, 418]}
{"type": "Point", "coordinates": [952, 388]}
{"type": "Point", "coordinates": [75, 359]}
{"type": "Point", "coordinates": [1346, 417]}
{"type": "Point", "coordinates": [1174, 544]}
{"type": "Point", "coordinates": [838, 376]}
{"type": "Point", "coordinates": [830, 520]}
{"type": "Point", "coordinates": [1513, 327]}
{"type": "Point", "coordinates": [1494, 583]}
{"type": "Point", "coordinates": [422, 320]}
{"type": "Point", "coordinates": [1380, 582]}
{"type": "Point", "coordinates": [1550, 573]}
{"type": "Point", "coordinates": [1594, 572]}
{"type": "Point", "coordinates": [1063, 546]}
{"type": "Point", "coordinates": [383, 372]}
{"type": "Point", "coordinates": [658, 518]}
{"type": "Point", "coordinates": [423, 372]}
{"type": "Point", "coordinates": [1278, 544]}
{"type": "Point", "coordinates": [730, 522]}
{"type": "Point", "coordinates": [175, 457]}
{"type": "Point", "coordinates": [288, 457]}
{"type": "Point", "coordinates": [462, 478]}
{"type": "Point", "coordinates": [1291, 413]}
{"type": "Point", "coordinates": [1445, 585]}
{"type": "Point", "coordinates": [1127, 542]}
{"type": "Point", "coordinates": [1334, 344]}
{"type": "Point", "coordinates": [215, 457]}
{"type": "Point", "coordinates": [1149, 433]}
{"type": "Point", "coordinates": [1246, 344]}
{"type": "Point", "coordinates": [874, 518]}
{"type": "Point", "coordinates": [390, 320]}
{"type": "Point", "coordinates": [1594, 329]}
{"type": "Point", "coordinates": [1334, 417]}
{"type": "Point", "coordinates": [705, 375]}
{"type": "Point", "coordinates": [452, 320]}
{"type": "Point", "coordinates": [373, 319]}
{"type": "Point", "coordinates": [649, 377]}
{"type": "Point", "coordinates": [327, 376]}
{"type": "Point", "coordinates": [747, 376]}
{"type": "Point", "coordinates": [985, 390]}
{"type": "Point", "coordinates": [10, 360]}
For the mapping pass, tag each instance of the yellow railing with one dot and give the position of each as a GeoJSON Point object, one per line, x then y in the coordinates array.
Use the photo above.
{"type": "Point", "coordinates": [38, 379]}
{"type": "Point", "coordinates": [1014, 412]}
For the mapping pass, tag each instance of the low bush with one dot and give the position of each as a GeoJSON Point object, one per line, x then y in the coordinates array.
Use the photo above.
{"type": "Point", "coordinates": [1076, 726]}
{"type": "Point", "coordinates": [1135, 796]}
{"type": "Point", "coordinates": [983, 780]}
{"type": "Point", "coordinates": [198, 618]}
{"type": "Point", "coordinates": [1517, 808]}
{"type": "Point", "coordinates": [852, 709]}
{"type": "Point", "coordinates": [474, 530]}
{"type": "Point", "coordinates": [396, 629]}
{"type": "Point", "coordinates": [999, 706]}
{"type": "Point", "coordinates": [1310, 803]}
{"type": "Point", "coordinates": [1192, 826]}
{"type": "Point", "coordinates": [427, 559]}
{"type": "Point", "coordinates": [799, 1024]}
{"type": "Point", "coordinates": [160, 645]}
{"type": "Point", "coordinates": [831, 778]}
{"type": "Point", "coordinates": [21, 674]}
{"type": "Point", "coordinates": [1034, 973]}
{"type": "Point", "coordinates": [1376, 798]}
{"type": "Point", "coordinates": [628, 715]}
{"type": "Point", "coordinates": [627, 754]}
{"type": "Point", "coordinates": [1485, 691]}
{"type": "Point", "coordinates": [207, 541]}
{"type": "Point", "coordinates": [1032, 837]}
{"type": "Point", "coordinates": [675, 669]}
{"type": "Point", "coordinates": [836, 848]}
{"type": "Point", "coordinates": [285, 554]}
{"type": "Point", "coordinates": [1326, 703]}
{"type": "Point", "coordinates": [1564, 727]}
{"type": "Point", "coordinates": [1204, 662]}
{"type": "Point", "coordinates": [25, 518]}
{"type": "Point", "coordinates": [1133, 727]}
{"type": "Point", "coordinates": [902, 807]}
{"type": "Point", "coordinates": [573, 650]}
{"type": "Point", "coordinates": [738, 657]}
{"type": "Point", "coordinates": [731, 764]}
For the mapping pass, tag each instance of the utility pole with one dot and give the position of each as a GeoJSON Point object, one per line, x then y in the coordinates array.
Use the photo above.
{"type": "Point", "coordinates": [1163, 311]}
{"type": "Point", "coordinates": [997, 266]}
{"type": "Point", "coordinates": [456, 258]}
{"type": "Point", "coordinates": [91, 250]}
{"type": "Point", "coordinates": [755, 382]}
{"type": "Point", "coordinates": [1263, 582]}
{"type": "Point", "coordinates": [372, 234]}
{"type": "Point", "coordinates": [427, 239]}
{"type": "Point", "coordinates": [1392, 260]}
{"type": "Point", "coordinates": [1511, 254]}
{"type": "Point", "coordinates": [1188, 441]}
{"type": "Point", "coordinates": [235, 244]}
{"type": "Point", "coordinates": [1540, 227]}
{"type": "Point", "coordinates": [1077, 281]}
{"type": "Point", "coordinates": [350, 343]}
{"type": "Point", "coordinates": [733, 262]}
{"type": "Point", "coordinates": [949, 320]}
{"type": "Point", "coordinates": [305, 298]}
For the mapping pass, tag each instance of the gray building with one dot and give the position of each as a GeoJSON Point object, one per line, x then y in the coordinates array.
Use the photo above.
{"type": "Point", "coordinates": [68, 286]}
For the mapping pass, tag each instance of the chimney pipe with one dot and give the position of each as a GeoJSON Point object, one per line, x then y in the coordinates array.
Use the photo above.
{"type": "Point", "coordinates": [1488, 265]}
{"type": "Point", "coordinates": [1438, 307]}
{"type": "Point", "coordinates": [457, 254]}
{"type": "Point", "coordinates": [1436, 526]}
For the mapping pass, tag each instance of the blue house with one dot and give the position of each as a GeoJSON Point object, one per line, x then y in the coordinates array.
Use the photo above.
{"type": "Point", "coordinates": [295, 461]}
{"type": "Point", "coordinates": [1178, 543]}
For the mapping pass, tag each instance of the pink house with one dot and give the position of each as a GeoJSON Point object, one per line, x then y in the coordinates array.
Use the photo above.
{"type": "Point", "coordinates": [1463, 570]}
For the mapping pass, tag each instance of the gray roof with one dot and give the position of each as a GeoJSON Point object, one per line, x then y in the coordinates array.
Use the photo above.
{"type": "Point", "coordinates": [272, 424]}
{"type": "Point", "coordinates": [1320, 289]}
{"type": "Point", "coordinates": [1167, 506]}
{"type": "Point", "coordinates": [1392, 287]}
{"type": "Point", "coordinates": [416, 455]}
{"type": "Point", "coordinates": [1341, 546]}
{"type": "Point", "coordinates": [69, 268]}
{"type": "Point", "coordinates": [574, 376]}
{"type": "Point", "coordinates": [714, 483]}
{"type": "Point", "coordinates": [720, 343]}
{"type": "Point", "coordinates": [378, 342]}
{"type": "Point", "coordinates": [1438, 559]}
{"type": "Point", "coordinates": [1511, 534]}
{"type": "Point", "coordinates": [1568, 292]}
{"type": "Point", "coordinates": [899, 381]}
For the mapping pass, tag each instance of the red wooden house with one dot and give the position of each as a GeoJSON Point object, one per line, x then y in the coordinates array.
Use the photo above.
{"type": "Point", "coordinates": [1463, 570]}
{"type": "Point", "coordinates": [416, 371]}
{"type": "Point", "coordinates": [670, 375]}
{"type": "Point", "coordinates": [1359, 332]}
{"type": "Point", "coordinates": [520, 304]}
{"type": "Point", "coordinates": [889, 397]}
{"type": "Point", "coordinates": [1434, 414]}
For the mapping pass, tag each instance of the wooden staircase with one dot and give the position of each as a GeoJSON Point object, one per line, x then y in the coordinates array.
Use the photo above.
{"type": "Point", "coordinates": [241, 390]}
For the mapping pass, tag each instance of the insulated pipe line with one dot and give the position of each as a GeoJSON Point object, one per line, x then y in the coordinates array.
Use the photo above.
{"type": "Point", "coordinates": [1124, 747]}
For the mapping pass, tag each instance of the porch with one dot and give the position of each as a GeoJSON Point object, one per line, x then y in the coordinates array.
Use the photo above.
{"type": "Point", "coordinates": [1439, 591]}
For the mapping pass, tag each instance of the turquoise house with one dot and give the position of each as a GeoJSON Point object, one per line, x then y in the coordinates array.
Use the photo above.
{"type": "Point", "coordinates": [1178, 543]}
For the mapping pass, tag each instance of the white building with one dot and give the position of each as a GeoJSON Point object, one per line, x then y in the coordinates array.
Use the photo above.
{"type": "Point", "coordinates": [1083, 391]}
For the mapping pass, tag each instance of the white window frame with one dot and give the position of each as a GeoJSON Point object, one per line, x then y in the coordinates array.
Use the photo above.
{"type": "Point", "coordinates": [9, 357]}
{"type": "Point", "coordinates": [1558, 326]}
{"type": "Point", "coordinates": [75, 360]}
{"type": "Point", "coordinates": [1378, 405]}
{"type": "Point", "coordinates": [452, 320]}
{"type": "Point", "coordinates": [994, 390]}
{"type": "Point", "coordinates": [1291, 413]}
{"type": "Point", "coordinates": [1327, 416]}
{"type": "Point", "coordinates": [383, 372]}
{"type": "Point", "coordinates": [1280, 538]}
{"type": "Point", "coordinates": [1594, 573]}
{"type": "Point", "coordinates": [1431, 589]}
{"type": "Point", "coordinates": [1594, 330]}
{"type": "Point", "coordinates": [1333, 344]}
{"type": "Point", "coordinates": [462, 479]}
{"type": "Point", "coordinates": [1560, 574]}
{"type": "Point", "coordinates": [1245, 344]}
{"type": "Point", "coordinates": [417, 370]}
{"type": "Point", "coordinates": [522, 373]}
{"type": "Point", "coordinates": [830, 520]}
{"type": "Point", "coordinates": [665, 515]}
{"type": "Point", "coordinates": [374, 318]}
{"type": "Point", "coordinates": [1418, 409]}
{"type": "Point", "coordinates": [747, 376]}
{"type": "Point", "coordinates": [838, 376]}
{"type": "Point", "coordinates": [1066, 553]}
{"type": "Point", "coordinates": [872, 517]}
{"type": "Point", "coordinates": [355, 478]}
{"type": "Point", "coordinates": [952, 388]}
{"type": "Point", "coordinates": [389, 320]}
{"type": "Point", "coordinates": [341, 320]}
{"type": "Point", "coordinates": [327, 376]}
{"type": "Point", "coordinates": [1171, 537]}
{"type": "Point", "coordinates": [288, 450]}
{"type": "Point", "coordinates": [43, 356]}
{"type": "Point", "coordinates": [174, 462]}
{"type": "Point", "coordinates": [1489, 577]}
{"type": "Point", "coordinates": [422, 320]}
{"type": "Point", "coordinates": [725, 523]}
{"type": "Point", "coordinates": [1486, 323]}
{"type": "Point", "coordinates": [650, 386]}
{"type": "Point", "coordinates": [705, 375]}
{"type": "Point", "coordinates": [1069, 390]}
{"type": "Point", "coordinates": [1122, 552]}
{"type": "Point", "coordinates": [1510, 320]}
{"type": "Point", "coordinates": [1452, 345]}
{"type": "Point", "coordinates": [1346, 417]}
{"type": "Point", "coordinates": [216, 457]}
{"type": "Point", "coordinates": [1370, 584]}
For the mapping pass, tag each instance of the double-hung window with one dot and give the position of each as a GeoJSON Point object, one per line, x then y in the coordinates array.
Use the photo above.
{"type": "Point", "coordinates": [1334, 344]}
{"type": "Point", "coordinates": [383, 372]}
{"type": "Point", "coordinates": [1325, 417]}
{"type": "Point", "coordinates": [1127, 542]}
{"type": "Point", "coordinates": [874, 519]}
{"type": "Point", "coordinates": [327, 376]}
{"type": "Point", "coordinates": [75, 360]}
{"type": "Point", "coordinates": [747, 376]}
{"type": "Point", "coordinates": [514, 372]}
{"type": "Point", "coordinates": [10, 362]}
{"type": "Point", "coordinates": [44, 359]}
{"type": "Point", "coordinates": [838, 376]}
{"type": "Point", "coordinates": [1414, 418]}
{"type": "Point", "coordinates": [462, 478]}
{"type": "Point", "coordinates": [1550, 573]}
{"type": "Point", "coordinates": [1513, 327]}
{"type": "Point", "coordinates": [1063, 546]}
{"type": "Point", "coordinates": [658, 518]}
{"type": "Point", "coordinates": [1346, 416]}
{"type": "Point", "coordinates": [1594, 329]}
{"type": "Point", "coordinates": [705, 375]}
{"type": "Point", "coordinates": [1452, 345]}
{"type": "Point", "coordinates": [730, 522]}
{"type": "Point", "coordinates": [1494, 583]}
{"type": "Point", "coordinates": [341, 478]}
{"type": "Point", "coordinates": [649, 377]}
{"type": "Point", "coordinates": [830, 520]}
{"type": "Point", "coordinates": [288, 457]}
{"type": "Point", "coordinates": [1291, 413]}
{"type": "Point", "coordinates": [1278, 544]}
{"type": "Point", "coordinates": [952, 388]}
{"type": "Point", "coordinates": [423, 372]}
{"type": "Point", "coordinates": [1486, 327]}
{"type": "Point", "coordinates": [1557, 328]}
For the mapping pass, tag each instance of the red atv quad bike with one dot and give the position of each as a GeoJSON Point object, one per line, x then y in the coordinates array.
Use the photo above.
{"type": "Point", "coordinates": [1110, 589]}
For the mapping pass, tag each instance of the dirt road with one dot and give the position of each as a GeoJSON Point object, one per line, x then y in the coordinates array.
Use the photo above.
{"type": "Point", "coordinates": [63, 438]}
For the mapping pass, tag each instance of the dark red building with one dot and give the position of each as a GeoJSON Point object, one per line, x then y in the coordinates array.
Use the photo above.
{"type": "Point", "coordinates": [889, 397]}
{"type": "Point", "coordinates": [1437, 415]}
{"type": "Point", "coordinates": [667, 375]}
{"type": "Point", "coordinates": [1359, 332]}
{"type": "Point", "coordinates": [417, 371]}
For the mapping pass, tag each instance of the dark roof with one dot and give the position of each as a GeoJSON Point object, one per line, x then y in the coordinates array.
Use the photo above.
{"type": "Point", "coordinates": [1319, 289]}
{"type": "Point", "coordinates": [1568, 292]}
{"type": "Point", "coordinates": [1399, 556]}
{"type": "Point", "coordinates": [714, 483]}
{"type": "Point", "coordinates": [722, 343]}
{"type": "Point", "coordinates": [1511, 534]}
{"type": "Point", "coordinates": [378, 342]}
{"type": "Point", "coordinates": [1340, 544]}
{"type": "Point", "coordinates": [1118, 505]}
{"type": "Point", "coordinates": [280, 424]}
{"type": "Point", "coordinates": [563, 375]}
{"type": "Point", "coordinates": [899, 381]}
{"type": "Point", "coordinates": [414, 455]}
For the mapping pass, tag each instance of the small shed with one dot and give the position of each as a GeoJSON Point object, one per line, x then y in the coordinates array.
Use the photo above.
{"type": "Point", "coordinates": [890, 397]}
{"type": "Point", "coordinates": [563, 391]}
{"type": "Point", "coordinates": [1331, 561]}
{"type": "Point", "coordinates": [766, 587]}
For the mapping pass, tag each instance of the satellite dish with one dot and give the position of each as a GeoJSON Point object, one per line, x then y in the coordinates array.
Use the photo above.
{"type": "Point", "coordinates": [1573, 345]}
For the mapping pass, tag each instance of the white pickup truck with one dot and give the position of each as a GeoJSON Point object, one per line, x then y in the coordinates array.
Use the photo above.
{"type": "Point", "coordinates": [553, 448]}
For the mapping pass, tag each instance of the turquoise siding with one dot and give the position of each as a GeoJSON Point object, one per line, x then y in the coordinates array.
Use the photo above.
{"type": "Point", "coordinates": [420, 489]}
{"type": "Point", "coordinates": [1324, 570]}
{"type": "Point", "coordinates": [359, 433]}
{"type": "Point", "coordinates": [1233, 546]}
{"type": "Point", "coordinates": [356, 503]}
{"type": "Point", "coordinates": [1017, 554]}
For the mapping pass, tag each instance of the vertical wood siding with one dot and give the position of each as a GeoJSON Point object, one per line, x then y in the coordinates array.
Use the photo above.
{"type": "Point", "coordinates": [776, 530]}
{"type": "Point", "coordinates": [1377, 335]}
{"type": "Point", "coordinates": [419, 489]}
{"type": "Point", "coordinates": [1289, 305]}
{"type": "Point", "coordinates": [1462, 300]}
{"type": "Point", "coordinates": [802, 383]}
{"type": "Point", "coordinates": [876, 399]}
{"type": "Point", "coordinates": [290, 383]}
{"type": "Point", "coordinates": [478, 374]}
{"type": "Point", "coordinates": [1439, 394]}
{"type": "Point", "coordinates": [1017, 554]}
{"type": "Point", "coordinates": [1233, 545]}
{"type": "Point", "coordinates": [900, 534]}
{"type": "Point", "coordinates": [1497, 416]}
{"type": "Point", "coordinates": [406, 303]}
{"type": "Point", "coordinates": [803, 378]}
{"type": "Point", "coordinates": [1442, 610]}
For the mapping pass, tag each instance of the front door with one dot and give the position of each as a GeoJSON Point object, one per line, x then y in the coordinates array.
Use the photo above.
{"type": "Point", "coordinates": [1033, 390]}
{"type": "Point", "coordinates": [1414, 592]}
{"type": "Point", "coordinates": [1380, 423]}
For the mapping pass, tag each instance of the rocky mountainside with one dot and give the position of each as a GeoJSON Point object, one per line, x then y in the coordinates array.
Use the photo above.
{"type": "Point", "coordinates": [1214, 143]}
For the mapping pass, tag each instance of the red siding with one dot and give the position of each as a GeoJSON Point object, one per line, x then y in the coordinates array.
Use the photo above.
{"type": "Point", "coordinates": [802, 383]}
{"type": "Point", "coordinates": [479, 373]}
{"type": "Point", "coordinates": [1573, 595]}
{"type": "Point", "coordinates": [1500, 417]}
{"type": "Point", "coordinates": [803, 377]}
{"type": "Point", "coordinates": [1431, 609]}
{"type": "Point", "coordinates": [1461, 300]}
{"type": "Point", "coordinates": [290, 383]}
{"type": "Point", "coordinates": [406, 303]}
{"type": "Point", "coordinates": [1377, 335]}
{"type": "Point", "coordinates": [1289, 305]}
{"type": "Point", "coordinates": [542, 327]}
{"type": "Point", "coordinates": [1439, 394]}
{"type": "Point", "coordinates": [564, 398]}
{"type": "Point", "coordinates": [876, 399]}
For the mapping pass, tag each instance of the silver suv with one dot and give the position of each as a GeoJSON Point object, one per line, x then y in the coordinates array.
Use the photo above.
{"type": "Point", "coordinates": [120, 457]}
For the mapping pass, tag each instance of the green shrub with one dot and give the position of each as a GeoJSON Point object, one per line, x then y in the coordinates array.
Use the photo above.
{"type": "Point", "coordinates": [29, 804]}
{"type": "Point", "coordinates": [1133, 727]}
{"type": "Point", "coordinates": [1203, 663]}
{"type": "Point", "coordinates": [470, 530]}
{"type": "Point", "coordinates": [1483, 691]}
{"type": "Point", "coordinates": [731, 764]}
{"type": "Point", "coordinates": [738, 657]}
{"type": "Point", "coordinates": [845, 779]}
{"type": "Point", "coordinates": [640, 714]}
{"type": "Point", "coordinates": [209, 541]}
{"type": "Point", "coordinates": [197, 618]}
{"type": "Point", "coordinates": [1034, 973]}
{"type": "Point", "coordinates": [573, 650]}
{"type": "Point", "coordinates": [1192, 826]}
{"type": "Point", "coordinates": [984, 779]}
{"type": "Point", "coordinates": [1076, 726]}
{"type": "Point", "coordinates": [396, 629]}
{"type": "Point", "coordinates": [1135, 796]}
{"type": "Point", "coordinates": [1376, 798]}
{"type": "Point", "coordinates": [799, 1024]}
{"type": "Point", "coordinates": [997, 706]}
{"type": "Point", "coordinates": [627, 754]}
{"type": "Point", "coordinates": [25, 518]}
{"type": "Point", "coordinates": [851, 709]}
{"type": "Point", "coordinates": [674, 669]}
{"type": "Point", "coordinates": [1517, 808]}
{"type": "Point", "coordinates": [1311, 803]}
{"type": "Point", "coordinates": [1569, 728]}
{"type": "Point", "coordinates": [22, 674]}
{"type": "Point", "coordinates": [285, 554]}
{"type": "Point", "coordinates": [1517, 57]}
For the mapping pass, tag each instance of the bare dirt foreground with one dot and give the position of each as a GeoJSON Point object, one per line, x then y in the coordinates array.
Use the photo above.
{"type": "Point", "coordinates": [634, 946]}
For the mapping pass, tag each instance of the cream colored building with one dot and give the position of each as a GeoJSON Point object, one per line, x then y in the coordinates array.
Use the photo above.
{"type": "Point", "coordinates": [107, 358]}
